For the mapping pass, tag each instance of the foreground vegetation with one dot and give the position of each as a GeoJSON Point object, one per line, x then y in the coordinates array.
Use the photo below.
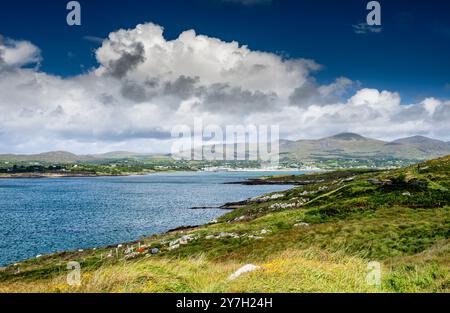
{"type": "Point", "coordinates": [317, 237]}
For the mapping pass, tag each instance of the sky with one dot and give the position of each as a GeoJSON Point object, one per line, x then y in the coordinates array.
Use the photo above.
{"type": "Point", "coordinates": [135, 69]}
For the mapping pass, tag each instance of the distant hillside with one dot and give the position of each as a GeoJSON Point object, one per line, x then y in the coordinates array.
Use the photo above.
{"type": "Point", "coordinates": [67, 157]}
{"type": "Point", "coordinates": [340, 146]}
{"type": "Point", "coordinates": [53, 156]}
{"type": "Point", "coordinates": [349, 145]}
{"type": "Point", "coordinates": [127, 155]}
{"type": "Point", "coordinates": [425, 144]}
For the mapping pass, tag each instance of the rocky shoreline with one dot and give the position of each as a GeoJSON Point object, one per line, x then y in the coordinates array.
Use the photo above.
{"type": "Point", "coordinates": [230, 206]}
{"type": "Point", "coordinates": [266, 181]}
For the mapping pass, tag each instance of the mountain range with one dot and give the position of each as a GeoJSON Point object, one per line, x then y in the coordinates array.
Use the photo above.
{"type": "Point", "coordinates": [350, 145]}
{"type": "Point", "coordinates": [340, 146]}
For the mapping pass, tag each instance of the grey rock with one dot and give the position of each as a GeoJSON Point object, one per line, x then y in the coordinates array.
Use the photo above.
{"type": "Point", "coordinates": [154, 251]}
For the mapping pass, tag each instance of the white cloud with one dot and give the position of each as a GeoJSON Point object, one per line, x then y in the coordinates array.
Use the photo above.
{"type": "Point", "coordinates": [145, 84]}
{"type": "Point", "coordinates": [94, 39]}
{"type": "Point", "coordinates": [17, 53]}
{"type": "Point", "coordinates": [143, 54]}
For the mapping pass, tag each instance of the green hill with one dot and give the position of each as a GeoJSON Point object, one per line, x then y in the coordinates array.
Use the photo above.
{"type": "Point", "coordinates": [52, 156]}
{"type": "Point", "coordinates": [317, 237]}
{"type": "Point", "coordinates": [338, 147]}
{"type": "Point", "coordinates": [349, 145]}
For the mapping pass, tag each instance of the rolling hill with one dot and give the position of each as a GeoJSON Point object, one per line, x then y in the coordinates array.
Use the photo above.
{"type": "Point", "coordinates": [68, 157]}
{"type": "Point", "coordinates": [340, 146]}
{"type": "Point", "coordinates": [350, 145]}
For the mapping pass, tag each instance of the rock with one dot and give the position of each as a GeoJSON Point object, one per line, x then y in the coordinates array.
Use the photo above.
{"type": "Point", "coordinates": [245, 269]}
{"type": "Point", "coordinates": [132, 256]}
{"type": "Point", "coordinates": [173, 247]}
{"type": "Point", "coordinates": [38, 256]}
{"type": "Point", "coordinates": [349, 179]}
{"type": "Point", "coordinates": [306, 192]}
{"type": "Point", "coordinates": [129, 250]}
{"type": "Point", "coordinates": [80, 250]}
{"type": "Point", "coordinates": [183, 240]}
{"type": "Point", "coordinates": [267, 198]}
{"type": "Point", "coordinates": [255, 237]}
{"type": "Point", "coordinates": [187, 238]}
{"type": "Point", "coordinates": [154, 251]}
{"type": "Point", "coordinates": [214, 221]}
{"type": "Point", "coordinates": [302, 224]}
{"type": "Point", "coordinates": [264, 231]}
{"type": "Point", "coordinates": [407, 193]}
{"type": "Point", "coordinates": [224, 235]}
{"type": "Point", "coordinates": [296, 204]}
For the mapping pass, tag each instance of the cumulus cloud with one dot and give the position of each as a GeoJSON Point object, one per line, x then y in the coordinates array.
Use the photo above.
{"type": "Point", "coordinates": [17, 53]}
{"type": "Point", "coordinates": [145, 84]}
{"type": "Point", "coordinates": [143, 54]}
{"type": "Point", "coordinates": [310, 93]}
{"type": "Point", "coordinates": [127, 61]}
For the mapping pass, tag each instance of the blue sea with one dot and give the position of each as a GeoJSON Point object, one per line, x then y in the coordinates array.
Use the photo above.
{"type": "Point", "coordinates": [41, 216]}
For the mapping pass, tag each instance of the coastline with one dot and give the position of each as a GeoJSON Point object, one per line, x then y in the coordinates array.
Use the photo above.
{"type": "Point", "coordinates": [81, 175]}
{"type": "Point", "coordinates": [262, 180]}
{"type": "Point", "coordinates": [60, 175]}
{"type": "Point", "coordinates": [226, 207]}
{"type": "Point", "coordinates": [284, 232]}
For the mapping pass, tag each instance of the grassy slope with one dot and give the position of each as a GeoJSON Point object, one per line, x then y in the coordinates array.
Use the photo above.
{"type": "Point", "coordinates": [401, 219]}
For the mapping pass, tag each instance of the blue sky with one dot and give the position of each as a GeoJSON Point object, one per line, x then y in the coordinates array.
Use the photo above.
{"type": "Point", "coordinates": [410, 55]}
{"type": "Point", "coordinates": [135, 70]}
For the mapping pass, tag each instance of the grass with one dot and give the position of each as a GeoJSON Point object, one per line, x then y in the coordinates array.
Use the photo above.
{"type": "Point", "coordinates": [291, 271]}
{"type": "Point", "coordinates": [341, 221]}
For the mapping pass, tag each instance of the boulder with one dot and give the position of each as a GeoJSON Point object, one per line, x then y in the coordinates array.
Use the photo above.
{"type": "Point", "coordinates": [132, 255]}
{"type": "Point", "coordinates": [154, 250]}
{"type": "Point", "coordinates": [245, 269]}
{"type": "Point", "coordinates": [302, 224]}
{"type": "Point", "coordinates": [173, 247]}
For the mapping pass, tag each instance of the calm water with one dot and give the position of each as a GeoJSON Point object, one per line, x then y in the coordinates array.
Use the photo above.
{"type": "Point", "coordinates": [40, 216]}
